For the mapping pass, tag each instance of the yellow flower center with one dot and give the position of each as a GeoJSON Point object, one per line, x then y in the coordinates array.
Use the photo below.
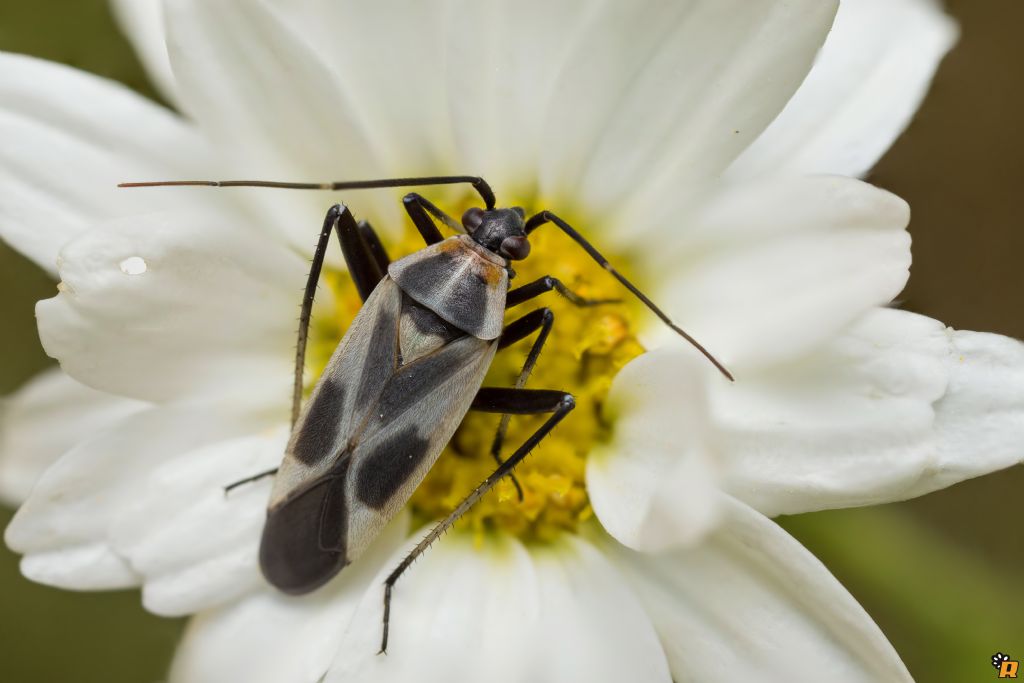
{"type": "Point", "coordinates": [586, 348]}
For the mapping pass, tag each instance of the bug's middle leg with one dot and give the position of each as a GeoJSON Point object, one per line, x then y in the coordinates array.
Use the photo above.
{"type": "Point", "coordinates": [421, 210]}
{"type": "Point", "coordinates": [491, 400]}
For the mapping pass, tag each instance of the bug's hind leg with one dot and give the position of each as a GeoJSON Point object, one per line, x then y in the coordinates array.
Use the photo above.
{"type": "Point", "coordinates": [491, 400]}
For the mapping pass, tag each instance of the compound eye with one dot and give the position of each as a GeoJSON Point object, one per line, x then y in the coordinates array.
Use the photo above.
{"type": "Point", "coordinates": [515, 248]}
{"type": "Point", "coordinates": [473, 218]}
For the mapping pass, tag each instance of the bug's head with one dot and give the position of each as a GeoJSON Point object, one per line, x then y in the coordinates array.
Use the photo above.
{"type": "Point", "coordinates": [503, 231]}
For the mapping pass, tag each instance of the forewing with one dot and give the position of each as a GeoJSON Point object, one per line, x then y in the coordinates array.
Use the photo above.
{"type": "Point", "coordinates": [417, 414]}
{"type": "Point", "coordinates": [365, 439]}
{"type": "Point", "coordinates": [304, 538]}
{"type": "Point", "coordinates": [350, 385]}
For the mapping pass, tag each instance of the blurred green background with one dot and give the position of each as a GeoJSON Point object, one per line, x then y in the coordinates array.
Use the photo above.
{"type": "Point", "coordinates": [941, 574]}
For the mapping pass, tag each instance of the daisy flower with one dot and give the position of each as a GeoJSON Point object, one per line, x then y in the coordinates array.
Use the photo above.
{"type": "Point", "coordinates": [692, 140]}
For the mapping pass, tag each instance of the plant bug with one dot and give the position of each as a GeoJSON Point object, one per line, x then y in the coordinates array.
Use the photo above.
{"type": "Point", "coordinates": [408, 369]}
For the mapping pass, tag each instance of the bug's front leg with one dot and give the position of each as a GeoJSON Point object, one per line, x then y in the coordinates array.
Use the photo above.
{"type": "Point", "coordinates": [490, 400]}
{"type": "Point", "coordinates": [547, 283]}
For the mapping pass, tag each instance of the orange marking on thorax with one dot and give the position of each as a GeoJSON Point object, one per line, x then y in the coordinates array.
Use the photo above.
{"type": "Point", "coordinates": [491, 273]}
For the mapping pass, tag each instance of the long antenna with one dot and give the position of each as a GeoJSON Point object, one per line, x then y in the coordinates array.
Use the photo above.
{"type": "Point", "coordinates": [479, 184]}
{"type": "Point", "coordinates": [486, 193]}
{"type": "Point", "coordinates": [548, 217]}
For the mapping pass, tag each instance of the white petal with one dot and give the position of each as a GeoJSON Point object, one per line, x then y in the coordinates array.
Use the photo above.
{"type": "Point", "coordinates": [500, 612]}
{"type": "Point", "coordinates": [248, 76]}
{"type": "Point", "coordinates": [503, 61]}
{"type": "Point", "coordinates": [143, 24]}
{"type": "Point", "coordinates": [866, 85]}
{"type": "Point", "coordinates": [659, 97]}
{"type": "Point", "coordinates": [268, 637]}
{"type": "Point", "coordinates": [69, 138]}
{"type": "Point", "coordinates": [980, 417]}
{"type": "Point", "coordinates": [194, 544]}
{"type": "Point", "coordinates": [396, 80]}
{"type": "Point", "coordinates": [767, 271]}
{"type": "Point", "coordinates": [212, 310]}
{"type": "Point", "coordinates": [752, 602]}
{"type": "Point", "coordinates": [276, 110]}
{"type": "Point", "coordinates": [897, 407]}
{"type": "Point", "coordinates": [66, 522]}
{"type": "Point", "coordinates": [45, 418]}
{"type": "Point", "coordinates": [655, 484]}
{"type": "Point", "coordinates": [90, 566]}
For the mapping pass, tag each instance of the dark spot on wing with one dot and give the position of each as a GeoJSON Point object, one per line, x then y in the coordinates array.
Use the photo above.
{"type": "Point", "coordinates": [414, 383]}
{"type": "Point", "coordinates": [304, 539]}
{"type": "Point", "coordinates": [427, 273]}
{"type": "Point", "coordinates": [381, 358]}
{"type": "Point", "coordinates": [318, 433]}
{"type": "Point", "coordinates": [388, 467]}
{"type": "Point", "coordinates": [472, 305]}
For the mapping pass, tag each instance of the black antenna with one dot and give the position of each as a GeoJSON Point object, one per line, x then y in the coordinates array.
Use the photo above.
{"type": "Point", "coordinates": [487, 194]}
{"type": "Point", "coordinates": [548, 217]}
{"type": "Point", "coordinates": [479, 184]}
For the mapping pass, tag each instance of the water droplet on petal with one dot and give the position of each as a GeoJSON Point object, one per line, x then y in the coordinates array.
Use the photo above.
{"type": "Point", "coordinates": [133, 265]}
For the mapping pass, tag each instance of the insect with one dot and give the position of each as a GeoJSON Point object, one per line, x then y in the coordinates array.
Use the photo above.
{"type": "Point", "coordinates": [405, 374]}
